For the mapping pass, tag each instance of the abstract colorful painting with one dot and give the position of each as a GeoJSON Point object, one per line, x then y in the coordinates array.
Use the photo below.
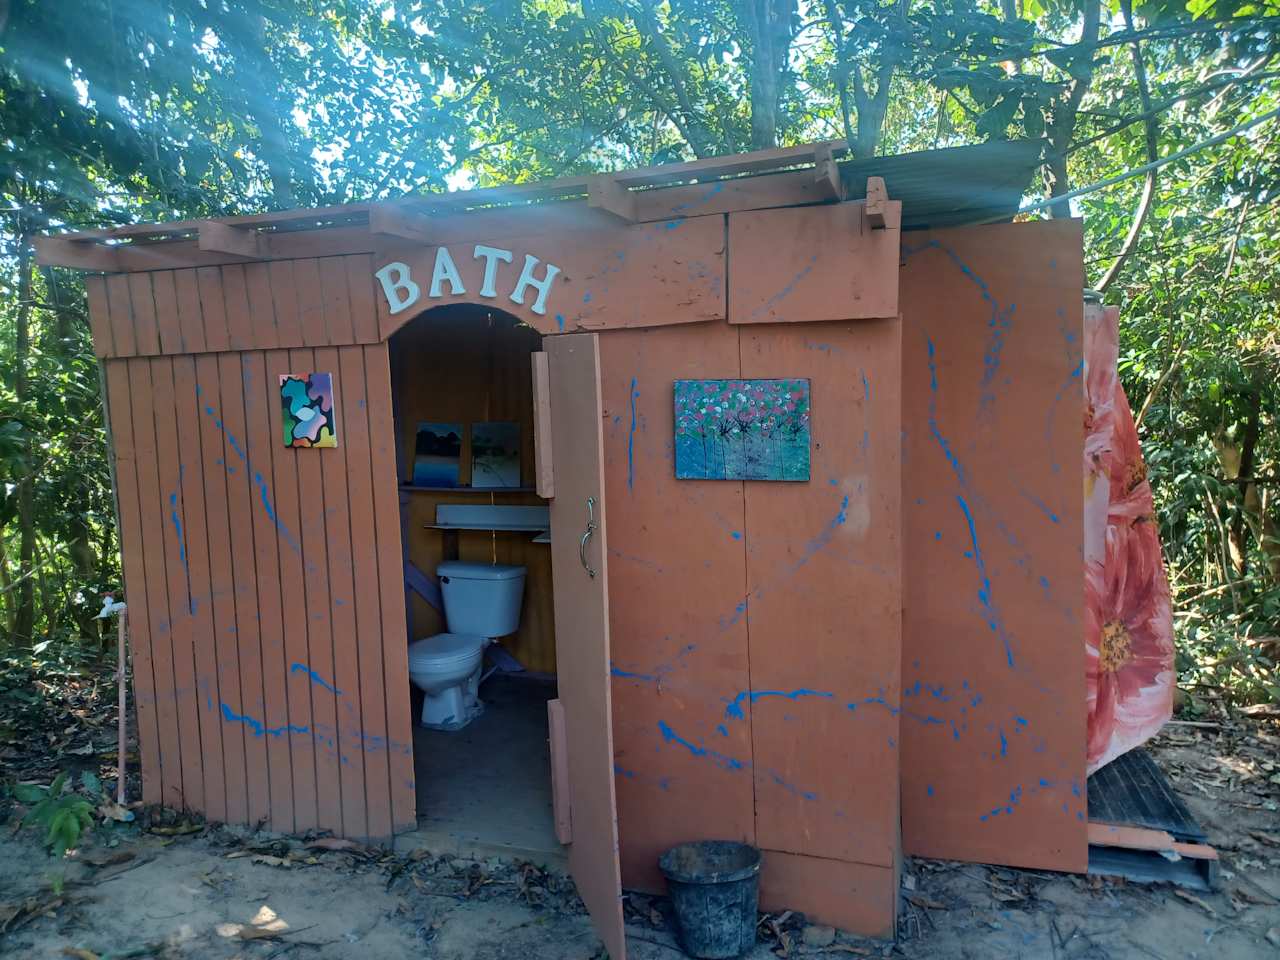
{"type": "Point", "coordinates": [437, 453]}
{"type": "Point", "coordinates": [495, 454]}
{"type": "Point", "coordinates": [742, 429]}
{"type": "Point", "coordinates": [306, 400]}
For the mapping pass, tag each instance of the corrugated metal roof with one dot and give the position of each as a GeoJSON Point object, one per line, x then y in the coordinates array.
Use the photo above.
{"type": "Point", "coordinates": [954, 186]}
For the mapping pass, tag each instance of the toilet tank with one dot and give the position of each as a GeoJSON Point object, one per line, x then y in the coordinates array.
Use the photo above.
{"type": "Point", "coordinates": [481, 599]}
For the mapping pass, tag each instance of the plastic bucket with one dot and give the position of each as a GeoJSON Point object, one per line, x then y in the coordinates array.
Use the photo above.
{"type": "Point", "coordinates": [715, 888]}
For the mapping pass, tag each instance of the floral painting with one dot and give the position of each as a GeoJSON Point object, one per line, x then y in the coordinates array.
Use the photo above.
{"type": "Point", "coordinates": [742, 429]}
{"type": "Point", "coordinates": [1129, 653]}
{"type": "Point", "coordinates": [306, 401]}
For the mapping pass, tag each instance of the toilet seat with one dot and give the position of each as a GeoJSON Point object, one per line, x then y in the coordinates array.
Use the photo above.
{"type": "Point", "coordinates": [444, 650]}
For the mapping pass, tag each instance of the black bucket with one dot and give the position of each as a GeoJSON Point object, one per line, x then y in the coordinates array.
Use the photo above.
{"type": "Point", "coordinates": [715, 888]}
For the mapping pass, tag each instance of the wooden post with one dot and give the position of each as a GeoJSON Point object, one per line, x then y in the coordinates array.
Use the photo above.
{"type": "Point", "coordinates": [123, 695]}
{"type": "Point", "coordinates": [877, 197]}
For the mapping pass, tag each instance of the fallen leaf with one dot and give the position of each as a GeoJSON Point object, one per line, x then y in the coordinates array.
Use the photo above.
{"type": "Point", "coordinates": [79, 953]}
{"type": "Point", "coordinates": [1250, 897]}
{"type": "Point", "coordinates": [271, 861]}
{"type": "Point", "coordinates": [259, 933]}
{"type": "Point", "coordinates": [920, 900]}
{"type": "Point", "coordinates": [113, 811]}
{"type": "Point", "coordinates": [1192, 898]}
{"type": "Point", "coordinates": [178, 831]}
{"type": "Point", "coordinates": [108, 858]}
{"type": "Point", "coordinates": [338, 843]}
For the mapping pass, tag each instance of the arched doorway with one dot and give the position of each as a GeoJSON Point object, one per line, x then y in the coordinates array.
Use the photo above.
{"type": "Point", "coordinates": [463, 402]}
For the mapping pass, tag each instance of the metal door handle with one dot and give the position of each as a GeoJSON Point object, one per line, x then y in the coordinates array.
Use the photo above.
{"type": "Point", "coordinates": [586, 535]}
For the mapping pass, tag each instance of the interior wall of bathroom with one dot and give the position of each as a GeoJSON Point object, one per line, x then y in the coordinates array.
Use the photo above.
{"type": "Point", "coordinates": [465, 364]}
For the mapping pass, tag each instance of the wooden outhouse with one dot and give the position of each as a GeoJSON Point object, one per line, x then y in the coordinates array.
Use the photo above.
{"type": "Point", "coordinates": [866, 646]}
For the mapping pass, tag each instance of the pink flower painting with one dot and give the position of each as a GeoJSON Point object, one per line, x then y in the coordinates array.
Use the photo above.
{"type": "Point", "coordinates": [1128, 619]}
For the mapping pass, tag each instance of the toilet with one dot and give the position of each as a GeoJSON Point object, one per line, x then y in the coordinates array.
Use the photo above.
{"type": "Point", "coordinates": [481, 603]}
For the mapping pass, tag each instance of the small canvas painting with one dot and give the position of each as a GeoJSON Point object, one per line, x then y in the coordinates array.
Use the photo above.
{"type": "Point", "coordinates": [437, 452]}
{"type": "Point", "coordinates": [306, 400]}
{"type": "Point", "coordinates": [495, 454]}
{"type": "Point", "coordinates": [742, 429]}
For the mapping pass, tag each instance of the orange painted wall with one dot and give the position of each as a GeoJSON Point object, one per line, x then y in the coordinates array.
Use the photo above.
{"type": "Point", "coordinates": [755, 656]}
{"type": "Point", "coordinates": [265, 598]}
{"type": "Point", "coordinates": [993, 734]}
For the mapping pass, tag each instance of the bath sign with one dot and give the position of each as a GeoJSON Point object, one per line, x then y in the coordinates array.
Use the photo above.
{"type": "Point", "coordinates": [403, 291]}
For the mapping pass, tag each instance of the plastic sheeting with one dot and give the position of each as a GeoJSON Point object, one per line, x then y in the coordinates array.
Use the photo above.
{"type": "Point", "coordinates": [1128, 620]}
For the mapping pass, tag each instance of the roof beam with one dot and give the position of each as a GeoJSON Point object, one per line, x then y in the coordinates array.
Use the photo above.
{"type": "Point", "coordinates": [223, 238]}
{"type": "Point", "coordinates": [826, 176]}
{"type": "Point", "coordinates": [78, 254]}
{"type": "Point", "coordinates": [388, 220]}
{"type": "Point", "coordinates": [877, 198]}
{"type": "Point", "coordinates": [610, 197]}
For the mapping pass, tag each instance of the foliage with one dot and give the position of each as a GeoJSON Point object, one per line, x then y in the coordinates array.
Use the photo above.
{"type": "Point", "coordinates": [171, 109]}
{"type": "Point", "coordinates": [61, 813]}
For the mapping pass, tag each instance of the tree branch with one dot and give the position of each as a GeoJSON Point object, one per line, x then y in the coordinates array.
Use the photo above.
{"type": "Point", "coordinates": [1151, 137]}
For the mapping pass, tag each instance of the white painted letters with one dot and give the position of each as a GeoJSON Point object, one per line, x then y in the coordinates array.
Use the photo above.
{"type": "Point", "coordinates": [491, 257]}
{"type": "Point", "coordinates": [401, 292]}
{"type": "Point", "coordinates": [445, 269]}
{"type": "Point", "coordinates": [543, 286]}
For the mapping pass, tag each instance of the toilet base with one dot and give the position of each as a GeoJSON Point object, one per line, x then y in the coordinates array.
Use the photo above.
{"type": "Point", "coordinates": [453, 707]}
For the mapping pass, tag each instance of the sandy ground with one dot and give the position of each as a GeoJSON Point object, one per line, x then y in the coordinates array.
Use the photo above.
{"type": "Point", "coordinates": [221, 894]}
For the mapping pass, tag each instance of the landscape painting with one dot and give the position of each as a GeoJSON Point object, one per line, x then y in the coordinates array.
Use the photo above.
{"type": "Point", "coordinates": [495, 454]}
{"type": "Point", "coordinates": [306, 402]}
{"type": "Point", "coordinates": [742, 429]}
{"type": "Point", "coordinates": [437, 454]}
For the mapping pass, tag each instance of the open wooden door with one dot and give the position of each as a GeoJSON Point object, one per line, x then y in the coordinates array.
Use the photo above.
{"type": "Point", "coordinates": [581, 720]}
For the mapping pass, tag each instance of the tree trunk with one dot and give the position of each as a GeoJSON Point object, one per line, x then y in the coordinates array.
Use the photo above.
{"type": "Point", "coordinates": [770, 26]}
{"type": "Point", "coordinates": [24, 619]}
{"type": "Point", "coordinates": [1063, 124]}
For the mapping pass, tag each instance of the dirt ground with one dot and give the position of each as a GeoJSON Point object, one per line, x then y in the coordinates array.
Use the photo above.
{"type": "Point", "coordinates": [216, 893]}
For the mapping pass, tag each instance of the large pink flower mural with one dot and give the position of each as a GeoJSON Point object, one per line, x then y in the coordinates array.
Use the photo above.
{"type": "Point", "coordinates": [1128, 619]}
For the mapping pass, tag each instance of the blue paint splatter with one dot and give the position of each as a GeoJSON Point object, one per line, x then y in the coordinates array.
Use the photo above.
{"type": "Point", "coordinates": [628, 675]}
{"type": "Point", "coordinates": [560, 321]}
{"type": "Point", "coordinates": [787, 290]}
{"type": "Point", "coordinates": [258, 728]}
{"type": "Point", "coordinates": [631, 440]}
{"type": "Point", "coordinates": [1042, 506]}
{"type": "Point", "coordinates": [866, 387]}
{"type": "Point", "coordinates": [984, 594]}
{"type": "Point", "coordinates": [734, 709]}
{"type": "Point", "coordinates": [736, 534]}
{"type": "Point", "coordinates": [315, 677]}
{"type": "Point", "coordinates": [722, 760]}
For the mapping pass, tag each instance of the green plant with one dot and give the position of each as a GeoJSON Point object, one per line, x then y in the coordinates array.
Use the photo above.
{"type": "Point", "coordinates": [63, 815]}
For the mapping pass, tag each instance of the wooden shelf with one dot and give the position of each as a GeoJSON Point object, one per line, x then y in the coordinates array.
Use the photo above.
{"type": "Point", "coordinates": [410, 488]}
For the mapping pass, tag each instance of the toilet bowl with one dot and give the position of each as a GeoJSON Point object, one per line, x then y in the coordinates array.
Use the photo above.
{"type": "Point", "coordinates": [481, 603]}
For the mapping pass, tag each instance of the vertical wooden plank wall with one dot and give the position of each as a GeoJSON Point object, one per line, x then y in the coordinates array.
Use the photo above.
{"type": "Point", "coordinates": [756, 653]}
{"type": "Point", "coordinates": [250, 567]}
{"type": "Point", "coordinates": [993, 646]}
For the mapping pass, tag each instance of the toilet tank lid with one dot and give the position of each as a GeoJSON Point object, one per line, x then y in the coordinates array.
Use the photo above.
{"type": "Point", "coordinates": [479, 571]}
